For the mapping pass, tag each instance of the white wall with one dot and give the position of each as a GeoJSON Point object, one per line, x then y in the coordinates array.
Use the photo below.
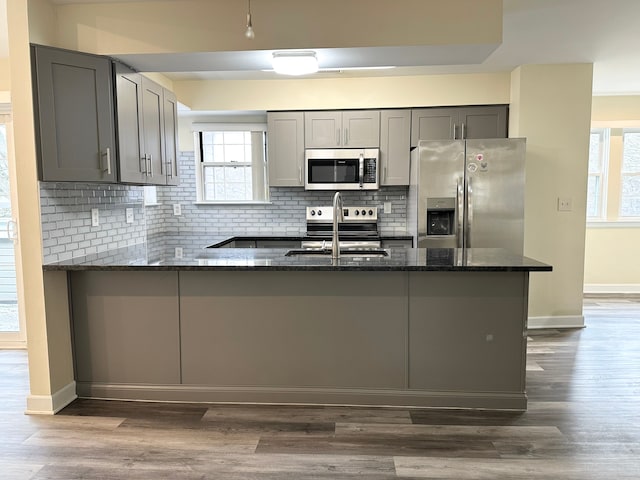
{"type": "Point", "coordinates": [552, 109]}
{"type": "Point", "coordinates": [612, 257]}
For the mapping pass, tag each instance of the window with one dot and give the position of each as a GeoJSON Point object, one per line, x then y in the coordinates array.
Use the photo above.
{"type": "Point", "coordinates": [630, 174]}
{"type": "Point", "coordinates": [232, 163]}
{"type": "Point", "coordinates": [598, 162]}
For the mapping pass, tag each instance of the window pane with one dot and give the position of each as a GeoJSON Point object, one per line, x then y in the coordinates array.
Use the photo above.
{"type": "Point", "coordinates": [236, 174]}
{"type": "Point", "coordinates": [218, 138]}
{"type": "Point", "coordinates": [234, 153]}
{"type": "Point", "coordinates": [631, 156]}
{"type": "Point", "coordinates": [234, 138]}
{"type": "Point", "coordinates": [630, 202]}
{"type": "Point", "coordinates": [595, 159]}
{"type": "Point", "coordinates": [218, 154]}
{"type": "Point", "coordinates": [593, 196]}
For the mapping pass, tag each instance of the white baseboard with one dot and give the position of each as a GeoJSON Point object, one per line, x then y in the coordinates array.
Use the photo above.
{"type": "Point", "coordinates": [51, 404]}
{"type": "Point", "coordinates": [560, 321]}
{"type": "Point", "coordinates": [612, 288]}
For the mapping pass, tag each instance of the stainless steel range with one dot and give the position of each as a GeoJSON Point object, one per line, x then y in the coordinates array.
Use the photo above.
{"type": "Point", "coordinates": [358, 230]}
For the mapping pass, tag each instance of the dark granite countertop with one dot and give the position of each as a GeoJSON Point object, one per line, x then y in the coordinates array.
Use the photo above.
{"type": "Point", "coordinates": [172, 252]}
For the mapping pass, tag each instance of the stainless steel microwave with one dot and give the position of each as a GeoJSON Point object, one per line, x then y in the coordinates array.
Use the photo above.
{"type": "Point", "coordinates": [341, 169]}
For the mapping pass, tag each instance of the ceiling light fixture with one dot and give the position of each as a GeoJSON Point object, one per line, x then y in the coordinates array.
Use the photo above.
{"type": "Point", "coordinates": [249, 33]}
{"type": "Point", "coordinates": [295, 63]}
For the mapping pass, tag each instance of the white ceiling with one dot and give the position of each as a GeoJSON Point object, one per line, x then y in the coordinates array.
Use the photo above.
{"type": "Point", "coordinates": [606, 33]}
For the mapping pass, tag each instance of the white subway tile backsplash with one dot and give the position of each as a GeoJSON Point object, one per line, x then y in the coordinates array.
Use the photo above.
{"type": "Point", "coordinates": [66, 213]}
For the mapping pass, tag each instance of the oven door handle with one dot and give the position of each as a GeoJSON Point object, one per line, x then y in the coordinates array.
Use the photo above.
{"type": "Point", "coordinates": [361, 171]}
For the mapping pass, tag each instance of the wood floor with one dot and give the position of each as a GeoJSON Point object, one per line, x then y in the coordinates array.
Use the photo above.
{"type": "Point", "coordinates": [583, 422]}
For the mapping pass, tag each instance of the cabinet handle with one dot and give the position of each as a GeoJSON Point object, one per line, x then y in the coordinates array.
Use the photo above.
{"type": "Point", "coordinates": [107, 154]}
{"type": "Point", "coordinates": [462, 126]}
{"type": "Point", "coordinates": [300, 174]}
{"type": "Point", "coordinates": [169, 168]}
{"type": "Point", "coordinates": [143, 164]}
{"type": "Point", "coordinates": [150, 160]}
{"type": "Point", "coordinates": [338, 136]}
{"type": "Point", "coordinates": [454, 131]}
{"type": "Point", "coordinates": [384, 176]}
{"type": "Point", "coordinates": [346, 137]}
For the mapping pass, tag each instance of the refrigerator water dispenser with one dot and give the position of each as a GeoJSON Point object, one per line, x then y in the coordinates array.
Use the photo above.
{"type": "Point", "coordinates": [441, 216]}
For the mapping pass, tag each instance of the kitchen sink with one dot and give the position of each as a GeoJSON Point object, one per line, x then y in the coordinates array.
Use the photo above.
{"type": "Point", "coordinates": [351, 252]}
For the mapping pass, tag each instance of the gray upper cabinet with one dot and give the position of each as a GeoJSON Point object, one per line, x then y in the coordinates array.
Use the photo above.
{"type": "Point", "coordinates": [170, 117]}
{"type": "Point", "coordinates": [346, 129]}
{"type": "Point", "coordinates": [395, 155]}
{"type": "Point", "coordinates": [129, 118]}
{"type": "Point", "coordinates": [458, 123]}
{"type": "Point", "coordinates": [73, 103]}
{"type": "Point", "coordinates": [147, 132]}
{"type": "Point", "coordinates": [153, 125]}
{"type": "Point", "coordinates": [285, 148]}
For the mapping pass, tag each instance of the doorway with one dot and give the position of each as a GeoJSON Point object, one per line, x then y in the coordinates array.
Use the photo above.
{"type": "Point", "coordinates": [12, 331]}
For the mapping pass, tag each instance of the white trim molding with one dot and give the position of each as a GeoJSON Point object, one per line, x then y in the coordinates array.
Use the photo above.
{"type": "Point", "coordinates": [612, 288]}
{"type": "Point", "coordinates": [559, 321]}
{"type": "Point", "coordinates": [51, 404]}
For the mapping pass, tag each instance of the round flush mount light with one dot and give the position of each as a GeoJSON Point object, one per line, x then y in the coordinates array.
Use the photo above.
{"type": "Point", "coordinates": [295, 63]}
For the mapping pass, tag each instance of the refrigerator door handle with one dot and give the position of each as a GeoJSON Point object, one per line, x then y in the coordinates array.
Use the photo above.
{"type": "Point", "coordinates": [454, 132]}
{"type": "Point", "coordinates": [469, 213]}
{"type": "Point", "coordinates": [459, 212]}
{"type": "Point", "coordinates": [361, 169]}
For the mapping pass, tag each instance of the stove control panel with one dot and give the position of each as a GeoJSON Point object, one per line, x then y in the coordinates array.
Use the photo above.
{"type": "Point", "coordinates": [367, 214]}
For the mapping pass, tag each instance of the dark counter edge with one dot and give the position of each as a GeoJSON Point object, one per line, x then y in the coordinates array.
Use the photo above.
{"type": "Point", "coordinates": [291, 268]}
{"type": "Point", "coordinates": [299, 238]}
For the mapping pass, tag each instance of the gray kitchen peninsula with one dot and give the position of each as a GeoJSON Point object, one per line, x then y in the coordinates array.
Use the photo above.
{"type": "Point", "coordinates": [433, 327]}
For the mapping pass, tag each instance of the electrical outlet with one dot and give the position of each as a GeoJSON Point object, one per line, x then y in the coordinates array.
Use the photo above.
{"type": "Point", "coordinates": [95, 217]}
{"type": "Point", "coordinates": [178, 252]}
{"type": "Point", "coordinates": [564, 204]}
{"type": "Point", "coordinates": [177, 209]}
{"type": "Point", "coordinates": [129, 212]}
{"type": "Point", "coordinates": [387, 207]}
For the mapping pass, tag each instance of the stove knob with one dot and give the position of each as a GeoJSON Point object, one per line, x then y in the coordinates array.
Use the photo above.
{"type": "Point", "coordinates": [319, 213]}
{"type": "Point", "coordinates": [364, 212]}
{"type": "Point", "coordinates": [371, 212]}
{"type": "Point", "coordinates": [357, 212]}
{"type": "Point", "coordinates": [313, 212]}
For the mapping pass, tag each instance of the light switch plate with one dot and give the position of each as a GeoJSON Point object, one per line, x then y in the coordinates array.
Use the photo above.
{"type": "Point", "coordinates": [564, 204]}
{"type": "Point", "coordinates": [177, 209]}
{"type": "Point", "coordinates": [129, 215]}
{"type": "Point", "coordinates": [178, 252]}
{"type": "Point", "coordinates": [95, 217]}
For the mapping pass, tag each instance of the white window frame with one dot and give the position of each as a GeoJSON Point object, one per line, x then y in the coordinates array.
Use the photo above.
{"type": "Point", "coordinates": [601, 207]}
{"type": "Point", "coordinates": [198, 128]}
{"type": "Point", "coordinates": [623, 174]}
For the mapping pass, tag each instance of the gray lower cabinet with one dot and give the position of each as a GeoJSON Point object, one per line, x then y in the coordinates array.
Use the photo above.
{"type": "Point", "coordinates": [395, 154]}
{"type": "Point", "coordinates": [294, 329]}
{"type": "Point", "coordinates": [126, 327]}
{"type": "Point", "coordinates": [285, 149]}
{"type": "Point", "coordinates": [458, 123]}
{"type": "Point", "coordinates": [73, 103]}
{"type": "Point", "coordinates": [467, 331]}
{"type": "Point", "coordinates": [397, 243]}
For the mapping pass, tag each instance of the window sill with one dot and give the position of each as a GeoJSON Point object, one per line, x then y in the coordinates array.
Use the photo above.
{"type": "Point", "coordinates": [614, 224]}
{"type": "Point", "coordinates": [248, 202]}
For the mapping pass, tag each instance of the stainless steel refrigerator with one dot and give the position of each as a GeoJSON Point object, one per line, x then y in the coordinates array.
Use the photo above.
{"type": "Point", "coordinates": [468, 193]}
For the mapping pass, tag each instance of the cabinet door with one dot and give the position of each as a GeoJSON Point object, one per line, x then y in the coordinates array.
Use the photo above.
{"type": "Point", "coordinates": [152, 100]}
{"type": "Point", "coordinates": [433, 124]}
{"type": "Point", "coordinates": [285, 148]}
{"type": "Point", "coordinates": [126, 327]}
{"type": "Point", "coordinates": [74, 116]}
{"type": "Point", "coordinates": [129, 122]}
{"type": "Point", "coordinates": [170, 117]}
{"type": "Point", "coordinates": [323, 129]}
{"type": "Point", "coordinates": [484, 122]}
{"type": "Point", "coordinates": [361, 129]}
{"type": "Point", "coordinates": [395, 154]}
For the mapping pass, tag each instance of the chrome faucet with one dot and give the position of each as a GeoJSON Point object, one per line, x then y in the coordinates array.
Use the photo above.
{"type": "Point", "coordinates": [338, 216]}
